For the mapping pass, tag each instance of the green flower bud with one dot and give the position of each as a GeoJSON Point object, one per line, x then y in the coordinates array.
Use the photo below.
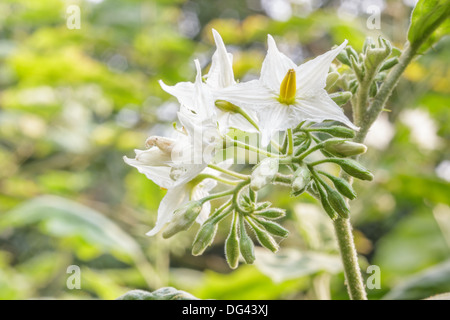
{"type": "Point", "coordinates": [353, 168]}
{"type": "Point", "coordinates": [337, 202]}
{"type": "Point", "coordinates": [342, 186]}
{"type": "Point", "coordinates": [358, 68]}
{"type": "Point", "coordinates": [343, 148]}
{"type": "Point", "coordinates": [273, 228]}
{"type": "Point", "coordinates": [351, 53]}
{"type": "Point", "coordinates": [331, 80]}
{"type": "Point", "coordinates": [341, 98]}
{"type": "Point", "coordinates": [373, 90]}
{"type": "Point", "coordinates": [226, 106]}
{"type": "Point", "coordinates": [264, 173]}
{"type": "Point", "coordinates": [246, 245]}
{"type": "Point", "coordinates": [389, 63]}
{"type": "Point", "coordinates": [272, 213]}
{"type": "Point", "coordinates": [375, 56]}
{"type": "Point", "coordinates": [204, 237]}
{"type": "Point", "coordinates": [353, 86]}
{"type": "Point", "coordinates": [343, 58]}
{"type": "Point", "coordinates": [302, 177]}
{"type": "Point", "coordinates": [232, 244]}
{"type": "Point", "coordinates": [325, 204]}
{"type": "Point", "coordinates": [368, 43]}
{"type": "Point", "coordinates": [263, 237]}
{"type": "Point", "coordinates": [338, 131]}
{"type": "Point", "coordinates": [263, 205]}
{"type": "Point", "coordinates": [183, 218]}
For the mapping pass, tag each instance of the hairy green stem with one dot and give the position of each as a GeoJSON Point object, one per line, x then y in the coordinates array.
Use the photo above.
{"type": "Point", "coordinates": [228, 172]}
{"type": "Point", "coordinates": [355, 285]}
{"type": "Point", "coordinates": [290, 142]}
{"type": "Point", "coordinates": [252, 148]}
{"type": "Point", "coordinates": [365, 118]}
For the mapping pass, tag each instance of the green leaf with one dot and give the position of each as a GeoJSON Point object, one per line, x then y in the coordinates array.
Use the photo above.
{"type": "Point", "coordinates": [429, 282]}
{"type": "Point", "coordinates": [429, 18]}
{"type": "Point", "coordinates": [63, 218]}
{"type": "Point", "coordinates": [167, 293]}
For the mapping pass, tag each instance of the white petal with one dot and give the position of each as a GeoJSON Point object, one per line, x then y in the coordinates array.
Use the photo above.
{"type": "Point", "coordinates": [153, 157]}
{"type": "Point", "coordinates": [154, 164]}
{"type": "Point", "coordinates": [275, 118]}
{"type": "Point", "coordinates": [183, 91]}
{"type": "Point", "coordinates": [318, 108]}
{"type": "Point", "coordinates": [204, 213]}
{"type": "Point", "coordinates": [200, 191]}
{"type": "Point", "coordinates": [173, 199]}
{"type": "Point", "coordinates": [251, 95]}
{"type": "Point", "coordinates": [203, 99]}
{"type": "Point", "coordinates": [275, 66]}
{"type": "Point", "coordinates": [220, 74]}
{"type": "Point", "coordinates": [312, 75]}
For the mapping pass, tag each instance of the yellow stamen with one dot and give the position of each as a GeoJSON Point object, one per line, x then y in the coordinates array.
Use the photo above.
{"type": "Point", "coordinates": [288, 88]}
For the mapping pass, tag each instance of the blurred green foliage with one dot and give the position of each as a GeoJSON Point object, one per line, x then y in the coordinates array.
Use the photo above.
{"type": "Point", "coordinates": [73, 102]}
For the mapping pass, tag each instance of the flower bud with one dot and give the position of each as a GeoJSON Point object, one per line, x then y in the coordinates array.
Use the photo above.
{"type": "Point", "coordinates": [246, 245]}
{"type": "Point", "coordinates": [338, 131]}
{"type": "Point", "coordinates": [373, 90]}
{"type": "Point", "coordinates": [337, 202]}
{"type": "Point", "coordinates": [351, 53]}
{"type": "Point", "coordinates": [232, 244]}
{"type": "Point", "coordinates": [341, 98]}
{"type": "Point", "coordinates": [273, 228]}
{"type": "Point", "coordinates": [331, 80]}
{"type": "Point", "coordinates": [353, 168]}
{"type": "Point", "coordinates": [368, 43]}
{"type": "Point", "coordinates": [389, 64]}
{"type": "Point", "coordinates": [204, 237]}
{"type": "Point", "coordinates": [376, 55]}
{"type": "Point", "coordinates": [302, 177]}
{"type": "Point", "coordinates": [183, 218]}
{"type": "Point", "coordinates": [264, 173]}
{"type": "Point", "coordinates": [343, 148]}
{"type": "Point", "coordinates": [325, 204]}
{"type": "Point", "coordinates": [263, 237]}
{"type": "Point", "coordinates": [226, 106]}
{"type": "Point", "coordinates": [343, 58]}
{"type": "Point", "coordinates": [342, 186]}
{"type": "Point", "coordinates": [272, 213]}
{"type": "Point", "coordinates": [358, 68]}
{"type": "Point", "coordinates": [263, 205]}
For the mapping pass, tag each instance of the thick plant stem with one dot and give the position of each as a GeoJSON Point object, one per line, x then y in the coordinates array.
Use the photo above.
{"type": "Point", "coordinates": [349, 257]}
{"type": "Point", "coordinates": [343, 227]}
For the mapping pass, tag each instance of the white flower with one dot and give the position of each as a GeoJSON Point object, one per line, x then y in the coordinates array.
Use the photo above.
{"type": "Point", "coordinates": [220, 76]}
{"type": "Point", "coordinates": [173, 163]}
{"type": "Point", "coordinates": [287, 94]}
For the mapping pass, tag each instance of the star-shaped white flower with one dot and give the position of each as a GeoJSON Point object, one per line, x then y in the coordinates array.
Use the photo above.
{"type": "Point", "coordinates": [220, 76]}
{"type": "Point", "coordinates": [287, 94]}
{"type": "Point", "coordinates": [174, 163]}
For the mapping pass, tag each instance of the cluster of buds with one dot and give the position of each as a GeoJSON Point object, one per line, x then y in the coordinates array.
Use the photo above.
{"type": "Point", "coordinates": [370, 66]}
